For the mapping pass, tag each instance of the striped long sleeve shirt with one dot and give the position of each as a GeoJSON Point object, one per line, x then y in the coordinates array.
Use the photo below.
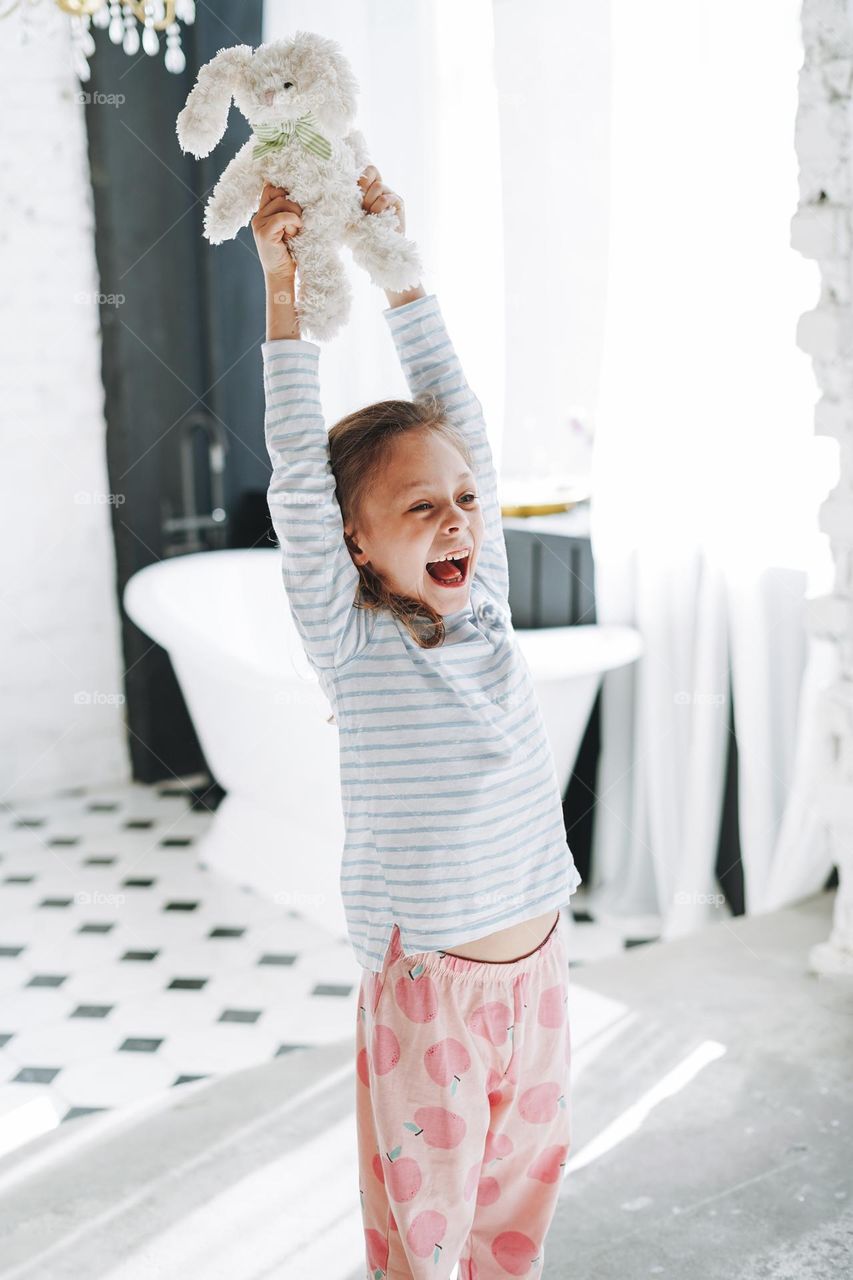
{"type": "Point", "coordinates": [452, 811]}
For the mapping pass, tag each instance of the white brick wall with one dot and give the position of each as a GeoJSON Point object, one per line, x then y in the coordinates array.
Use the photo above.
{"type": "Point", "coordinates": [61, 677]}
{"type": "Point", "coordinates": [821, 229]}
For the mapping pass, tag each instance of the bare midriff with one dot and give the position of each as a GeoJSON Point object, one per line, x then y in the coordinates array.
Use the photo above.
{"type": "Point", "coordinates": [509, 944]}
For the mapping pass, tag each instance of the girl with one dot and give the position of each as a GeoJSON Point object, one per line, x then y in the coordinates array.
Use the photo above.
{"type": "Point", "coordinates": [455, 863]}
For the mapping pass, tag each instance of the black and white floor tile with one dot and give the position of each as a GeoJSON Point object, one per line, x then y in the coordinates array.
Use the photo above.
{"type": "Point", "coordinates": [127, 968]}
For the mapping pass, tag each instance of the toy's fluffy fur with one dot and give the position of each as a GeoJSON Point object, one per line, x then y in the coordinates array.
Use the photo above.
{"type": "Point", "coordinates": [327, 190]}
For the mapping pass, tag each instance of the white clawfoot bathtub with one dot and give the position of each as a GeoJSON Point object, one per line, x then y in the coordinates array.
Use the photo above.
{"type": "Point", "coordinates": [261, 716]}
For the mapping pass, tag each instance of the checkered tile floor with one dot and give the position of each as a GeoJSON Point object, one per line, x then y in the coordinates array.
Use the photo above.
{"type": "Point", "coordinates": [127, 968]}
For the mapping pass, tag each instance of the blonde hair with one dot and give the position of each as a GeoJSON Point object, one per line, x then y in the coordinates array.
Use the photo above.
{"type": "Point", "coordinates": [359, 446]}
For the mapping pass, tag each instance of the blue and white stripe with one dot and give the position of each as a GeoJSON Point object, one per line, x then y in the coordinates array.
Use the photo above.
{"type": "Point", "coordinates": [453, 815]}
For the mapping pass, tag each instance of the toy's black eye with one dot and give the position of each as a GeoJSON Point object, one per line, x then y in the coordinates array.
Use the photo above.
{"type": "Point", "coordinates": [288, 84]}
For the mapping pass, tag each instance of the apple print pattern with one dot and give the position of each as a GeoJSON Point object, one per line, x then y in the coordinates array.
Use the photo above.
{"type": "Point", "coordinates": [462, 1110]}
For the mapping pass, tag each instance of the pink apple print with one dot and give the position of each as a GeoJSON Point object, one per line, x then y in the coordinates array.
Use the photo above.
{"type": "Point", "coordinates": [386, 1049]}
{"type": "Point", "coordinates": [447, 1060]}
{"type": "Point", "coordinates": [488, 1190]}
{"type": "Point", "coordinates": [363, 1068]}
{"type": "Point", "coordinates": [491, 1021]}
{"type": "Point", "coordinates": [471, 1179]}
{"type": "Point", "coordinates": [377, 1250]}
{"type": "Point", "coordinates": [440, 1127]}
{"type": "Point", "coordinates": [376, 1162]}
{"type": "Point", "coordinates": [426, 1233]}
{"type": "Point", "coordinates": [498, 1145]}
{"type": "Point", "coordinates": [402, 1178]}
{"type": "Point", "coordinates": [546, 1167]}
{"type": "Point", "coordinates": [417, 998]}
{"type": "Point", "coordinates": [494, 1080]}
{"type": "Point", "coordinates": [539, 1103]}
{"type": "Point", "coordinates": [514, 1251]}
{"type": "Point", "coordinates": [552, 1006]}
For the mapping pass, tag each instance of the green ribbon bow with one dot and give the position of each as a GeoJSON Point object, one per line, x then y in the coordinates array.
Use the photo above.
{"type": "Point", "coordinates": [273, 136]}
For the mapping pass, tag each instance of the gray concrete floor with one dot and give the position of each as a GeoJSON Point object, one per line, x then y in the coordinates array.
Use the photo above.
{"type": "Point", "coordinates": [745, 1168]}
{"type": "Point", "coordinates": [712, 1105]}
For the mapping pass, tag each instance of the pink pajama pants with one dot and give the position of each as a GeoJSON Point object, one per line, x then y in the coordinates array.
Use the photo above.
{"type": "Point", "coordinates": [463, 1110]}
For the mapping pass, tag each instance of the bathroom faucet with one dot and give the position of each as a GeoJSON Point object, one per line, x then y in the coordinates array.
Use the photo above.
{"type": "Point", "coordinates": [191, 522]}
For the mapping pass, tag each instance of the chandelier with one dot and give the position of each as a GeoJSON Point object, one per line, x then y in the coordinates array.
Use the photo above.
{"type": "Point", "coordinates": [122, 19]}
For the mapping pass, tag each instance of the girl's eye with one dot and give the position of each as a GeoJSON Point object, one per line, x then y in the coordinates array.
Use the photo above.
{"type": "Point", "coordinates": [426, 504]}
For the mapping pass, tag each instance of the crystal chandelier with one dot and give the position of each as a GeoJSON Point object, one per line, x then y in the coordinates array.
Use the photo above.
{"type": "Point", "coordinates": [122, 19]}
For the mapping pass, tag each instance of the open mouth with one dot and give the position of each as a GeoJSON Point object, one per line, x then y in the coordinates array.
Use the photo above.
{"type": "Point", "coordinates": [452, 570]}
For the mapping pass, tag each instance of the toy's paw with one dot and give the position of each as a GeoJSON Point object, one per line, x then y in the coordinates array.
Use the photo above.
{"type": "Point", "coordinates": [217, 227]}
{"type": "Point", "coordinates": [399, 268]}
{"type": "Point", "coordinates": [391, 261]}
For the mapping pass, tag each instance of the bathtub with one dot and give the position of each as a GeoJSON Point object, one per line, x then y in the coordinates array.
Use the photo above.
{"type": "Point", "coordinates": [262, 718]}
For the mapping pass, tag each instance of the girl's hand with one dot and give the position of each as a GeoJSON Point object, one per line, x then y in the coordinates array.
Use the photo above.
{"type": "Point", "coordinates": [277, 219]}
{"type": "Point", "coordinates": [378, 197]}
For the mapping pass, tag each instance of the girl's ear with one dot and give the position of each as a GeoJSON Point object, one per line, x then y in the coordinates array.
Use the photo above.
{"type": "Point", "coordinates": [202, 122]}
{"type": "Point", "coordinates": [353, 547]}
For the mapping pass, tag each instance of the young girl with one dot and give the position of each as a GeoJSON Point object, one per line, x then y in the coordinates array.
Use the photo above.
{"type": "Point", "coordinates": [455, 863]}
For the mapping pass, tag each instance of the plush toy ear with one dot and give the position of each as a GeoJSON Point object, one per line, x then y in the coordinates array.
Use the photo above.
{"type": "Point", "coordinates": [202, 122]}
{"type": "Point", "coordinates": [339, 85]}
{"type": "Point", "coordinates": [347, 87]}
{"type": "Point", "coordinates": [344, 88]}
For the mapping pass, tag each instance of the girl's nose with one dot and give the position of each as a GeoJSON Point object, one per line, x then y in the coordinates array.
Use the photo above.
{"type": "Point", "coordinates": [269, 96]}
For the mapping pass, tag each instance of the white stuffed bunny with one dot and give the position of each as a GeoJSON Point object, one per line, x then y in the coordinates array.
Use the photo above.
{"type": "Point", "coordinates": [299, 96]}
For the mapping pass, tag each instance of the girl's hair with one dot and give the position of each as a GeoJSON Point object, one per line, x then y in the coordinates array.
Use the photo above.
{"type": "Point", "coordinates": [359, 446]}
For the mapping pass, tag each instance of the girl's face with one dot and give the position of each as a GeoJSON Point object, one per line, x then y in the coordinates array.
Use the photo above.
{"type": "Point", "coordinates": [422, 506]}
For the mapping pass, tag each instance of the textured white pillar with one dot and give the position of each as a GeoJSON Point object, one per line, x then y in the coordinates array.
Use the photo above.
{"type": "Point", "coordinates": [821, 229]}
{"type": "Point", "coordinates": [61, 674]}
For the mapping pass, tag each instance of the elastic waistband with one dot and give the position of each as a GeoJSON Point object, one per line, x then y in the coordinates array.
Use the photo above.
{"type": "Point", "coordinates": [492, 971]}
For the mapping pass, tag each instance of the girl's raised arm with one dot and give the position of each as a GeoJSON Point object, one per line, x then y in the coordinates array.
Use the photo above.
{"type": "Point", "coordinates": [317, 569]}
{"type": "Point", "coordinates": [430, 363]}
{"type": "Point", "coordinates": [318, 572]}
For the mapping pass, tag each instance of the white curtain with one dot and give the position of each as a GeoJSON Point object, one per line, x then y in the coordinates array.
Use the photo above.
{"type": "Point", "coordinates": [706, 472]}
{"type": "Point", "coordinates": [428, 108]}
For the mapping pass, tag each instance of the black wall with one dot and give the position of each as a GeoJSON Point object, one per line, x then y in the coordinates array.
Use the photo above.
{"type": "Point", "coordinates": [186, 338]}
